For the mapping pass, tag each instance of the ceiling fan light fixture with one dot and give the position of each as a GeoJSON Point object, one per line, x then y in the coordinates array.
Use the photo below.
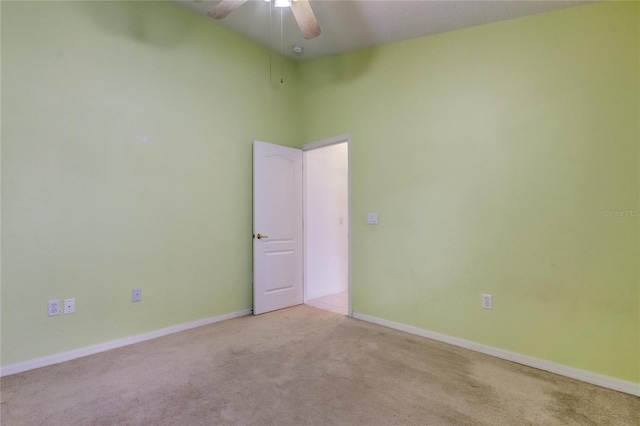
{"type": "Point", "coordinates": [301, 10]}
{"type": "Point", "coordinates": [282, 3]}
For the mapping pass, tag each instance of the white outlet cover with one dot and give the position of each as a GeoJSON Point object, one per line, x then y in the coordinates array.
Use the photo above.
{"type": "Point", "coordinates": [372, 218]}
{"type": "Point", "coordinates": [487, 301]}
{"type": "Point", "coordinates": [136, 295]}
{"type": "Point", "coordinates": [53, 308]}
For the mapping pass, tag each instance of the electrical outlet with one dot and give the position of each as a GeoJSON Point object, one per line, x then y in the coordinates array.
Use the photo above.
{"type": "Point", "coordinates": [136, 295]}
{"type": "Point", "coordinates": [487, 301]}
{"type": "Point", "coordinates": [69, 306]}
{"type": "Point", "coordinates": [54, 308]}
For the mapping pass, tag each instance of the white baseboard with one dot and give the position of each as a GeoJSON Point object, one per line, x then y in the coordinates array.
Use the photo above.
{"type": "Point", "coordinates": [563, 370]}
{"type": "Point", "coordinates": [90, 350]}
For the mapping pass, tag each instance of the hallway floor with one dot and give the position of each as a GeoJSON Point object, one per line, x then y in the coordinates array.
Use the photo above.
{"type": "Point", "coordinates": [337, 302]}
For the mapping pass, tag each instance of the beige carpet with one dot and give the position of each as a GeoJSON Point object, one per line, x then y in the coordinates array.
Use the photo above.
{"type": "Point", "coordinates": [302, 366]}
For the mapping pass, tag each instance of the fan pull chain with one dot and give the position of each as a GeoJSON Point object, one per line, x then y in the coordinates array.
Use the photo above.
{"type": "Point", "coordinates": [281, 50]}
{"type": "Point", "coordinates": [270, 47]}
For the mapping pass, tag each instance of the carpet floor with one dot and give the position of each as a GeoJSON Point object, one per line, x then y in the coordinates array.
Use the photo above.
{"type": "Point", "coordinates": [302, 366]}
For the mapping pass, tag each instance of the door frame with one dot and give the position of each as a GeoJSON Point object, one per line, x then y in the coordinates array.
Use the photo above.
{"type": "Point", "coordinates": [344, 138]}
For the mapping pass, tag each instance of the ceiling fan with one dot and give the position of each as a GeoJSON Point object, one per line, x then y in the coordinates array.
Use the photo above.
{"type": "Point", "coordinates": [301, 11]}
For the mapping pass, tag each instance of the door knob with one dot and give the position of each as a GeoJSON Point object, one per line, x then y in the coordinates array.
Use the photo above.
{"type": "Point", "coordinates": [261, 236]}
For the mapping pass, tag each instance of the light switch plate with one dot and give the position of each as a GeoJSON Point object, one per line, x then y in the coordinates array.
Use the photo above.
{"type": "Point", "coordinates": [372, 218]}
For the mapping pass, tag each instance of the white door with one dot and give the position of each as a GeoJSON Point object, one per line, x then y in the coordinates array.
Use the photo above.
{"type": "Point", "coordinates": [277, 227]}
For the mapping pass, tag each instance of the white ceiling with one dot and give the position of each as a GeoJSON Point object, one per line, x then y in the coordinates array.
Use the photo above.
{"type": "Point", "coordinates": [349, 25]}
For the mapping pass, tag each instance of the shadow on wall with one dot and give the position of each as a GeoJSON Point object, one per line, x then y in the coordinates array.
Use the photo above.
{"type": "Point", "coordinates": [343, 68]}
{"type": "Point", "coordinates": [151, 23]}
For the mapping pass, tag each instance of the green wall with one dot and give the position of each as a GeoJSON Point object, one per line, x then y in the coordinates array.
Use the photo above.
{"type": "Point", "coordinates": [492, 155]}
{"type": "Point", "coordinates": [89, 208]}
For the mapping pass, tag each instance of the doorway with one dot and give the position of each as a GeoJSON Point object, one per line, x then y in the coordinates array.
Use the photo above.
{"type": "Point", "coordinates": [326, 225]}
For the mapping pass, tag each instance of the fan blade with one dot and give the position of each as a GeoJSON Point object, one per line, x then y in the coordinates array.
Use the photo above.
{"type": "Point", "coordinates": [305, 18]}
{"type": "Point", "coordinates": [224, 8]}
